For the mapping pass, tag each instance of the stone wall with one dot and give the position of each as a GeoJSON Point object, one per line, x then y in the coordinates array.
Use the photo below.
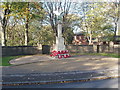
{"type": "Point", "coordinates": [31, 50]}
{"type": "Point", "coordinates": [116, 49]}
{"type": "Point", "coordinates": [93, 48]}
{"type": "Point", "coordinates": [80, 48]}
{"type": "Point", "coordinates": [20, 50]}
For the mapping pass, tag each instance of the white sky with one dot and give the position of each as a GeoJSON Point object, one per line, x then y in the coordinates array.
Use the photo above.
{"type": "Point", "coordinates": [79, 1]}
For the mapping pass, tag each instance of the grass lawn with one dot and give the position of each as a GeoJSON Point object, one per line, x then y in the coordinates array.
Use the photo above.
{"type": "Point", "coordinates": [5, 60]}
{"type": "Point", "coordinates": [100, 54]}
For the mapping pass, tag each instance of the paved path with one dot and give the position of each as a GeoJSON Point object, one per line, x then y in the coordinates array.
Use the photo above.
{"type": "Point", "coordinates": [44, 64]}
{"type": "Point", "coordinates": [43, 68]}
{"type": "Point", "coordinates": [29, 59]}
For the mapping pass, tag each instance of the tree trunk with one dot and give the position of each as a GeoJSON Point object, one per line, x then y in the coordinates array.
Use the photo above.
{"type": "Point", "coordinates": [3, 37]}
{"type": "Point", "coordinates": [116, 21]}
{"type": "Point", "coordinates": [26, 27]}
{"type": "Point", "coordinates": [90, 38]}
{"type": "Point", "coordinates": [116, 27]}
{"type": "Point", "coordinates": [90, 41]}
{"type": "Point", "coordinates": [116, 30]}
{"type": "Point", "coordinates": [26, 34]}
{"type": "Point", "coordinates": [3, 27]}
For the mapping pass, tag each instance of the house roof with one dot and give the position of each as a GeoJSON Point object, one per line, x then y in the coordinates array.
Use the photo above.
{"type": "Point", "coordinates": [79, 33]}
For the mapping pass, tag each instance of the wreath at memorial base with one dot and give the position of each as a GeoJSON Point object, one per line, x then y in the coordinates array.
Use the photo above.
{"type": "Point", "coordinates": [60, 54]}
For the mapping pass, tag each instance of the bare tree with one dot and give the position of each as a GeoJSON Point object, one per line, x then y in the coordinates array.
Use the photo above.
{"type": "Point", "coordinates": [67, 7]}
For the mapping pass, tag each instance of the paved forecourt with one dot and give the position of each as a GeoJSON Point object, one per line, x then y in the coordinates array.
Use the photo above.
{"type": "Point", "coordinates": [37, 68]}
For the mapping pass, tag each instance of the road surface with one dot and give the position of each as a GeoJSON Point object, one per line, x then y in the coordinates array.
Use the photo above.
{"type": "Point", "coordinates": [108, 83]}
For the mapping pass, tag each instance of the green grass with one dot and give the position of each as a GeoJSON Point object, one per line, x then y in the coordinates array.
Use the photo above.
{"type": "Point", "coordinates": [5, 60]}
{"type": "Point", "coordinates": [100, 54]}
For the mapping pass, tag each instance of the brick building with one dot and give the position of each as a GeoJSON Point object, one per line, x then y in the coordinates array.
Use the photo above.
{"type": "Point", "coordinates": [80, 39]}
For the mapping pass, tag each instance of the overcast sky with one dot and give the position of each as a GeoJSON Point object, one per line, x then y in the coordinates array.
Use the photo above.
{"type": "Point", "coordinates": [79, 1]}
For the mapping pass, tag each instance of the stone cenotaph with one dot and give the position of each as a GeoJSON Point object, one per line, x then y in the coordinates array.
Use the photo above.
{"type": "Point", "coordinates": [59, 50]}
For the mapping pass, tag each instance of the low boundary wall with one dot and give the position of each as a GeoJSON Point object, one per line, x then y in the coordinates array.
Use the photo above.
{"type": "Point", "coordinates": [93, 48]}
{"type": "Point", "coordinates": [46, 49]}
{"type": "Point", "coordinates": [20, 50]}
